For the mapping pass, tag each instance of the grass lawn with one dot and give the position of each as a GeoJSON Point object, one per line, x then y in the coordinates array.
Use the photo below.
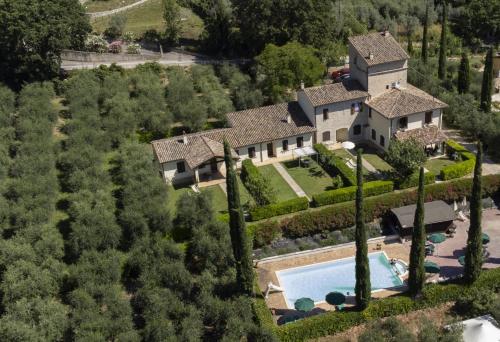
{"type": "Point", "coordinates": [245, 196]}
{"type": "Point", "coordinates": [342, 153]}
{"type": "Point", "coordinates": [312, 179]}
{"type": "Point", "coordinates": [173, 194]}
{"type": "Point", "coordinates": [100, 5]}
{"type": "Point", "coordinates": [219, 198]}
{"type": "Point", "coordinates": [283, 190]}
{"type": "Point", "coordinates": [150, 16]}
{"type": "Point", "coordinates": [377, 162]}
{"type": "Point", "coordinates": [435, 165]}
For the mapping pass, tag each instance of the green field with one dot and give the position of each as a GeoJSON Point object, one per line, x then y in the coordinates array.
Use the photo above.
{"type": "Point", "coordinates": [283, 190]}
{"type": "Point", "coordinates": [149, 16]}
{"type": "Point", "coordinates": [219, 198]}
{"type": "Point", "coordinates": [105, 5]}
{"type": "Point", "coordinates": [312, 179]}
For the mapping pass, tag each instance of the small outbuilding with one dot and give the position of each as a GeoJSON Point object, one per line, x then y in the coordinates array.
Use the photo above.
{"type": "Point", "coordinates": [438, 217]}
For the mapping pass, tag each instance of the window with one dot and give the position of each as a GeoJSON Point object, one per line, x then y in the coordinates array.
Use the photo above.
{"type": "Point", "coordinates": [285, 145]}
{"type": "Point", "coordinates": [393, 85]}
{"type": "Point", "coordinates": [325, 114]}
{"type": "Point", "coordinates": [251, 152]}
{"type": "Point", "coordinates": [374, 134]}
{"type": "Point", "coordinates": [382, 140]}
{"type": "Point", "coordinates": [357, 130]}
{"type": "Point", "coordinates": [181, 167]}
{"type": "Point", "coordinates": [428, 117]}
{"type": "Point", "coordinates": [300, 142]}
{"type": "Point", "coordinates": [370, 112]}
{"type": "Point", "coordinates": [387, 86]}
{"type": "Point", "coordinates": [326, 136]}
{"type": "Point", "coordinates": [403, 123]}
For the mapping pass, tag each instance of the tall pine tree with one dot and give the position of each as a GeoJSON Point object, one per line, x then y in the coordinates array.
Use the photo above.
{"type": "Point", "coordinates": [464, 74]}
{"type": "Point", "coordinates": [442, 47]}
{"type": "Point", "coordinates": [363, 286]}
{"type": "Point", "coordinates": [417, 252]}
{"type": "Point", "coordinates": [487, 82]}
{"type": "Point", "coordinates": [425, 52]}
{"type": "Point", "coordinates": [474, 248]}
{"type": "Point", "coordinates": [239, 240]}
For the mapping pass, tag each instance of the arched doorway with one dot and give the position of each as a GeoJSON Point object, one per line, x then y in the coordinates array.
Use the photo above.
{"type": "Point", "coordinates": [342, 135]}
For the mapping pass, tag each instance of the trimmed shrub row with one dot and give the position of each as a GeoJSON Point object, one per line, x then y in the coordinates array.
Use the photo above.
{"type": "Point", "coordinates": [348, 194]}
{"type": "Point", "coordinates": [281, 208]}
{"type": "Point", "coordinates": [335, 165]}
{"type": "Point", "coordinates": [459, 169]}
{"type": "Point", "coordinates": [256, 184]}
{"type": "Point", "coordinates": [412, 181]}
{"type": "Point", "coordinates": [337, 321]}
{"type": "Point", "coordinates": [342, 215]}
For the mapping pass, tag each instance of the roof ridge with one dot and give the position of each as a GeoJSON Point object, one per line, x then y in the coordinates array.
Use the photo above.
{"type": "Point", "coordinates": [396, 101]}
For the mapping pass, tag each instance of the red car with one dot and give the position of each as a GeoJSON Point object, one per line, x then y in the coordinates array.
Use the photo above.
{"type": "Point", "coordinates": [341, 72]}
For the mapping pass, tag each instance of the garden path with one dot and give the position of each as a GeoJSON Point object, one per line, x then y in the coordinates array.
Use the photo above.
{"type": "Point", "coordinates": [116, 10]}
{"type": "Point", "coordinates": [286, 176]}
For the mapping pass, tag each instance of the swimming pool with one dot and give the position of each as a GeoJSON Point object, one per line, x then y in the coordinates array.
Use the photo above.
{"type": "Point", "coordinates": [317, 280]}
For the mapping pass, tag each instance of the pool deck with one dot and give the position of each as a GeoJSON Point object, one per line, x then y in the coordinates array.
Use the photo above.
{"type": "Point", "coordinates": [266, 270]}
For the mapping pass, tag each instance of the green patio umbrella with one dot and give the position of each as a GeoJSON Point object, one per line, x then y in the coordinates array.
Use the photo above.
{"type": "Point", "coordinates": [461, 260]}
{"type": "Point", "coordinates": [304, 304]}
{"type": "Point", "coordinates": [436, 238]}
{"type": "Point", "coordinates": [431, 267]}
{"type": "Point", "coordinates": [335, 298]}
{"type": "Point", "coordinates": [486, 238]}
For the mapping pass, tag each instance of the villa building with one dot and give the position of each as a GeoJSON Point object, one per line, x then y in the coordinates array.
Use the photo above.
{"type": "Point", "coordinates": [375, 104]}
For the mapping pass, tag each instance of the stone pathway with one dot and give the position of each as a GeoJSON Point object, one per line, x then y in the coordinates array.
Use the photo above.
{"type": "Point", "coordinates": [116, 10]}
{"type": "Point", "coordinates": [286, 176]}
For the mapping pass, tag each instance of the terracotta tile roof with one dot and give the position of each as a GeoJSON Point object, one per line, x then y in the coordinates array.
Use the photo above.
{"type": "Point", "coordinates": [337, 92]}
{"type": "Point", "coordinates": [384, 48]}
{"type": "Point", "coordinates": [252, 126]}
{"type": "Point", "coordinates": [404, 101]}
{"type": "Point", "coordinates": [426, 135]}
{"type": "Point", "coordinates": [200, 147]}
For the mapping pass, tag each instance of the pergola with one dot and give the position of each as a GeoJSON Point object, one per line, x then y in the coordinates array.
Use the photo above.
{"type": "Point", "coordinates": [305, 152]}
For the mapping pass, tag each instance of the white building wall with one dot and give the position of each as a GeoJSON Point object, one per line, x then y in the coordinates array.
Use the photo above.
{"type": "Point", "coordinates": [170, 173]}
{"type": "Point", "coordinates": [340, 116]}
{"type": "Point", "coordinates": [358, 67]}
{"type": "Point", "coordinates": [381, 125]}
{"type": "Point", "coordinates": [306, 105]}
{"type": "Point", "coordinates": [418, 120]}
{"type": "Point", "coordinates": [382, 76]}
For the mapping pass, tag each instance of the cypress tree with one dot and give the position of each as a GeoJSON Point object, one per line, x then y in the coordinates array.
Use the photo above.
{"type": "Point", "coordinates": [474, 248]}
{"type": "Point", "coordinates": [237, 230]}
{"type": "Point", "coordinates": [410, 44]}
{"type": "Point", "coordinates": [425, 52]}
{"type": "Point", "coordinates": [417, 252]}
{"type": "Point", "coordinates": [442, 47]}
{"type": "Point", "coordinates": [363, 286]}
{"type": "Point", "coordinates": [464, 74]}
{"type": "Point", "coordinates": [487, 82]}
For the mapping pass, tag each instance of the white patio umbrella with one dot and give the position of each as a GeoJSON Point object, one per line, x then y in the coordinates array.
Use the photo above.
{"type": "Point", "coordinates": [455, 206]}
{"type": "Point", "coordinates": [464, 201]}
{"type": "Point", "coordinates": [348, 145]}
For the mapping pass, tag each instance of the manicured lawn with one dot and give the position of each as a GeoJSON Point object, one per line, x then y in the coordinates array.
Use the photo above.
{"type": "Point", "coordinates": [219, 198]}
{"type": "Point", "coordinates": [99, 5]}
{"type": "Point", "coordinates": [342, 153]}
{"type": "Point", "coordinates": [377, 162]}
{"type": "Point", "coordinates": [283, 190]}
{"type": "Point", "coordinates": [173, 194]}
{"type": "Point", "coordinates": [149, 16]}
{"type": "Point", "coordinates": [435, 165]}
{"type": "Point", "coordinates": [245, 196]}
{"type": "Point", "coordinates": [312, 179]}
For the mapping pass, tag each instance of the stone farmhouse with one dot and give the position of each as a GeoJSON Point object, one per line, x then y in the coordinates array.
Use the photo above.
{"type": "Point", "coordinates": [375, 104]}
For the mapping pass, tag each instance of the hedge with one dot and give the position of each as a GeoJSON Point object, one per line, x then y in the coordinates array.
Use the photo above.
{"type": "Point", "coordinates": [459, 169]}
{"type": "Point", "coordinates": [337, 321]}
{"type": "Point", "coordinates": [281, 208]}
{"type": "Point", "coordinates": [349, 193]}
{"type": "Point", "coordinates": [257, 185]}
{"type": "Point", "coordinates": [412, 181]}
{"type": "Point", "coordinates": [335, 165]}
{"type": "Point", "coordinates": [342, 215]}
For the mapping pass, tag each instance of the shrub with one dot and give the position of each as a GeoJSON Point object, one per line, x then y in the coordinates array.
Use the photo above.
{"type": "Point", "coordinates": [134, 49]}
{"type": "Point", "coordinates": [412, 181]}
{"type": "Point", "coordinates": [266, 233]}
{"type": "Point", "coordinates": [115, 47]}
{"type": "Point", "coordinates": [457, 170]}
{"type": "Point", "coordinates": [341, 215]}
{"type": "Point", "coordinates": [335, 165]}
{"type": "Point", "coordinates": [452, 146]}
{"type": "Point", "coordinates": [349, 193]}
{"type": "Point", "coordinates": [285, 207]}
{"type": "Point", "coordinates": [258, 186]}
{"type": "Point", "coordinates": [476, 302]}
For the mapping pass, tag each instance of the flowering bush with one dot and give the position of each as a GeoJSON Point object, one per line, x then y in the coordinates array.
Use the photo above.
{"type": "Point", "coordinates": [115, 47]}
{"type": "Point", "coordinates": [134, 49]}
{"type": "Point", "coordinates": [95, 43]}
{"type": "Point", "coordinates": [128, 37]}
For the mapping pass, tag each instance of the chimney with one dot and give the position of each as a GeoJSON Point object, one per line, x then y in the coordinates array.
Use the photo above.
{"type": "Point", "coordinates": [302, 86]}
{"type": "Point", "coordinates": [288, 118]}
{"type": "Point", "coordinates": [370, 56]}
{"type": "Point", "coordinates": [184, 138]}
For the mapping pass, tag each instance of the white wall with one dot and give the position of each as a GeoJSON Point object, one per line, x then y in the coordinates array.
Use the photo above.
{"type": "Point", "coordinates": [382, 75]}
{"type": "Point", "coordinates": [306, 105]}
{"type": "Point", "coordinates": [381, 125]}
{"type": "Point", "coordinates": [358, 67]}
{"type": "Point", "coordinates": [171, 175]}
{"type": "Point", "coordinates": [418, 120]}
{"type": "Point", "coordinates": [340, 116]}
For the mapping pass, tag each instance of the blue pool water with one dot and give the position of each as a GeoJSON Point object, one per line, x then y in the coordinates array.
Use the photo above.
{"type": "Point", "coordinates": [317, 280]}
